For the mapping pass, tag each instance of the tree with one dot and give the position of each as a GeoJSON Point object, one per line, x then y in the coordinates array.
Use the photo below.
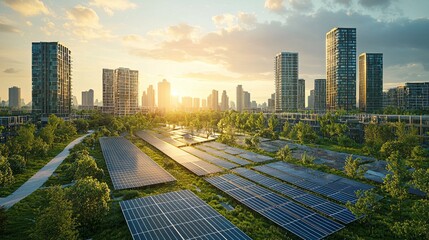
{"type": "Point", "coordinates": [396, 182]}
{"type": "Point", "coordinates": [307, 159]}
{"type": "Point", "coordinates": [286, 129]}
{"type": "Point", "coordinates": [3, 218]}
{"type": "Point", "coordinates": [82, 125]}
{"type": "Point", "coordinates": [284, 153]}
{"type": "Point", "coordinates": [56, 221]}
{"type": "Point", "coordinates": [260, 122]}
{"type": "Point", "coordinates": [85, 166]}
{"type": "Point", "coordinates": [376, 135]}
{"type": "Point", "coordinates": [17, 163]}
{"type": "Point", "coordinates": [40, 148]}
{"type": "Point", "coordinates": [304, 133]}
{"type": "Point", "coordinates": [421, 180]}
{"type": "Point", "coordinates": [253, 141]}
{"type": "Point", "coordinates": [25, 139]}
{"type": "Point", "coordinates": [6, 174]}
{"type": "Point", "coordinates": [351, 167]}
{"type": "Point", "coordinates": [90, 199]}
{"type": "Point", "coordinates": [366, 205]}
{"type": "Point", "coordinates": [48, 134]}
{"type": "Point", "coordinates": [416, 227]}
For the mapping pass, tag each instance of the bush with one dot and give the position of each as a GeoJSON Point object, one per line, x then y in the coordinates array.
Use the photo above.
{"type": "Point", "coordinates": [130, 194]}
{"type": "Point", "coordinates": [6, 174]}
{"type": "Point", "coordinates": [284, 154]}
{"type": "Point", "coordinates": [17, 163]}
{"type": "Point", "coordinates": [307, 159]}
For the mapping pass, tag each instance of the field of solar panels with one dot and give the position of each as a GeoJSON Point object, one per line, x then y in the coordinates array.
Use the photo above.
{"type": "Point", "coordinates": [208, 190]}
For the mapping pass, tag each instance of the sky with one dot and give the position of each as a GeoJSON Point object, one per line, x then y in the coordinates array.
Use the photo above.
{"type": "Point", "coordinates": [200, 45]}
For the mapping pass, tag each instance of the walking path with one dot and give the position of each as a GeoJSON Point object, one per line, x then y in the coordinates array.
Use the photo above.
{"type": "Point", "coordinates": [38, 179]}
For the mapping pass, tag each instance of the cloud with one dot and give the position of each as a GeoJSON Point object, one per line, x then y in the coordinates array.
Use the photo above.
{"type": "Point", "coordinates": [276, 6]}
{"type": "Point", "coordinates": [27, 7]}
{"type": "Point", "coordinates": [301, 5]}
{"type": "Point", "coordinates": [181, 31]}
{"type": "Point", "coordinates": [109, 6]}
{"type": "Point", "coordinates": [375, 3]}
{"type": "Point", "coordinates": [231, 22]}
{"type": "Point", "coordinates": [85, 23]}
{"type": "Point", "coordinates": [7, 26]}
{"type": "Point", "coordinates": [29, 23]}
{"type": "Point", "coordinates": [345, 3]}
{"type": "Point", "coordinates": [49, 28]}
{"type": "Point", "coordinates": [11, 70]}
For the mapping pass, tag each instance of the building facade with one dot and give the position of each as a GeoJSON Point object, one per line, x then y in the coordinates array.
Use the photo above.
{"type": "Point", "coordinates": [164, 95]}
{"type": "Point", "coordinates": [417, 96]}
{"type": "Point", "coordinates": [341, 69]}
{"type": "Point", "coordinates": [370, 82]}
{"type": "Point", "coordinates": [88, 99]}
{"type": "Point", "coordinates": [320, 95]}
{"type": "Point", "coordinates": [224, 103]}
{"type": "Point", "coordinates": [246, 100]}
{"type": "Point", "coordinates": [14, 98]}
{"type": "Point", "coordinates": [311, 100]}
{"type": "Point", "coordinates": [239, 98]}
{"type": "Point", "coordinates": [51, 79]}
{"type": "Point", "coordinates": [214, 101]}
{"type": "Point", "coordinates": [286, 81]}
{"type": "Point", "coordinates": [120, 91]}
{"type": "Point", "coordinates": [301, 94]}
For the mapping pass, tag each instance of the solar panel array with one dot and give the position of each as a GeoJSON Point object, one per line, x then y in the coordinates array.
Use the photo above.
{"type": "Point", "coordinates": [176, 215]}
{"type": "Point", "coordinates": [251, 156]}
{"type": "Point", "coordinates": [129, 167]}
{"type": "Point", "coordinates": [209, 158]}
{"type": "Point", "coordinates": [329, 208]}
{"type": "Point", "coordinates": [291, 216]}
{"type": "Point", "coordinates": [329, 185]}
{"type": "Point", "coordinates": [221, 154]}
{"type": "Point", "coordinates": [192, 163]}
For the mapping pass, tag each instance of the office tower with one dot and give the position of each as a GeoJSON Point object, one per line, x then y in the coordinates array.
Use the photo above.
{"type": "Point", "coordinates": [232, 105]}
{"type": "Point", "coordinates": [88, 99]}
{"type": "Point", "coordinates": [417, 96]}
{"type": "Point", "coordinates": [214, 100]}
{"type": "Point", "coordinates": [15, 98]}
{"type": "Point", "coordinates": [246, 100]}
{"type": "Point", "coordinates": [286, 81]}
{"type": "Point", "coordinates": [164, 95]}
{"type": "Point", "coordinates": [51, 79]}
{"type": "Point", "coordinates": [150, 95]}
{"type": "Point", "coordinates": [75, 103]}
{"type": "Point", "coordinates": [320, 95]}
{"type": "Point", "coordinates": [196, 104]}
{"type": "Point", "coordinates": [253, 105]}
{"type": "Point", "coordinates": [187, 103]}
{"type": "Point", "coordinates": [341, 69]}
{"type": "Point", "coordinates": [311, 100]}
{"type": "Point", "coordinates": [224, 103]}
{"type": "Point", "coordinates": [144, 100]}
{"type": "Point", "coordinates": [239, 98]}
{"type": "Point", "coordinates": [301, 94]}
{"type": "Point", "coordinates": [203, 103]}
{"type": "Point", "coordinates": [120, 91]}
{"type": "Point", "coordinates": [370, 82]}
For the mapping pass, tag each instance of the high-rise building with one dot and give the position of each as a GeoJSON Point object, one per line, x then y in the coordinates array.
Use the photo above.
{"type": "Point", "coordinates": [120, 91]}
{"type": "Point", "coordinates": [187, 103]}
{"type": "Point", "coordinates": [224, 103]}
{"type": "Point", "coordinates": [232, 104]}
{"type": "Point", "coordinates": [203, 103]}
{"type": "Point", "coordinates": [214, 100]}
{"type": "Point", "coordinates": [164, 95]}
{"type": "Point", "coordinates": [88, 99]}
{"type": "Point", "coordinates": [417, 96]}
{"type": "Point", "coordinates": [15, 98]}
{"type": "Point", "coordinates": [311, 100]}
{"type": "Point", "coordinates": [239, 98]}
{"type": "Point", "coordinates": [320, 95]}
{"type": "Point", "coordinates": [150, 93]}
{"type": "Point", "coordinates": [51, 79]}
{"type": "Point", "coordinates": [144, 100]}
{"type": "Point", "coordinates": [246, 100]}
{"type": "Point", "coordinates": [286, 81]}
{"type": "Point", "coordinates": [253, 105]}
{"type": "Point", "coordinates": [301, 94]}
{"type": "Point", "coordinates": [341, 69]}
{"type": "Point", "coordinates": [370, 82]}
{"type": "Point", "coordinates": [196, 104]}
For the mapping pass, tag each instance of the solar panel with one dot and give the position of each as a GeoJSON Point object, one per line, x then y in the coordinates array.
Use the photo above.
{"type": "Point", "coordinates": [176, 215]}
{"type": "Point", "coordinates": [129, 167]}
{"type": "Point", "coordinates": [192, 163]}
{"type": "Point", "coordinates": [210, 158]}
{"type": "Point", "coordinates": [251, 156]}
{"type": "Point", "coordinates": [322, 205]}
{"type": "Point", "coordinates": [299, 220]}
{"type": "Point", "coordinates": [221, 154]}
{"type": "Point", "coordinates": [329, 185]}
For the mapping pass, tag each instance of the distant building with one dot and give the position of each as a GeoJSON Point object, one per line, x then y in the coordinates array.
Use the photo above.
{"type": "Point", "coordinates": [187, 103]}
{"type": "Point", "coordinates": [320, 95]}
{"type": "Point", "coordinates": [271, 102]}
{"type": "Point", "coordinates": [196, 104]}
{"type": "Point", "coordinates": [150, 93]}
{"type": "Point", "coordinates": [286, 81]}
{"type": "Point", "coordinates": [75, 103]}
{"type": "Point", "coordinates": [203, 103]}
{"type": "Point", "coordinates": [246, 100]}
{"type": "Point", "coordinates": [301, 94]}
{"type": "Point", "coordinates": [144, 100]}
{"type": "Point", "coordinates": [311, 100]}
{"type": "Point", "coordinates": [120, 91]}
{"type": "Point", "coordinates": [370, 82]}
{"type": "Point", "coordinates": [253, 105]}
{"type": "Point", "coordinates": [51, 79]}
{"type": "Point", "coordinates": [88, 99]}
{"type": "Point", "coordinates": [239, 98]}
{"type": "Point", "coordinates": [164, 95]}
{"type": "Point", "coordinates": [214, 100]}
{"type": "Point", "coordinates": [341, 69]}
{"type": "Point", "coordinates": [224, 103]}
{"type": "Point", "coordinates": [15, 98]}
{"type": "Point", "coordinates": [232, 105]}
{"type": "Point", "coordinates": [412, 96]}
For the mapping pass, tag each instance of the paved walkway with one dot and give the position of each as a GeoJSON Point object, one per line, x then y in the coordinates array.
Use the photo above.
{"type": "Point", "coordinates": [38, 179]}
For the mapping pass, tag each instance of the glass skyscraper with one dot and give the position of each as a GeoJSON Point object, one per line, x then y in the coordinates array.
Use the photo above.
{"type": "Point", "coordinates": [320, 95]}
{"type": "Point", "coordinates": [51, 79]}
{"type": "Point", "coordinates": [341, 69]}
{"type": "Point", "coordinates": [370, 82]}
{"type": "Point", "coordinates": [286, 81]}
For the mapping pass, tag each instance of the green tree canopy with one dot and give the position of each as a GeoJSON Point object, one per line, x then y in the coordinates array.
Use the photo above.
{"type": "Point", "coordinates": [6, 174]}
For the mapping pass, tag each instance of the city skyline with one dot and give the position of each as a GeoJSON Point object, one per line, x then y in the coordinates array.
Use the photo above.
{"type": "Point", "coordinates": [89, 28]}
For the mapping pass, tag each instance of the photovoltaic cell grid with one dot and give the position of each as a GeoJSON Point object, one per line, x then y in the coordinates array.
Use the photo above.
{"type": "Point", "coordinates": [176, 215]}
{"type": "Point", "coordinates": [251, 156]}
{"type": "Point", "coordinates": [221, 154]}
{"type": "Point", "coordinates": [291, 216]}
{"type": "Point", "coordinates": [129, 167]}
{"type": "Point", "coordinates": [329, 208]}
{"type": "Point", "coordinates": [329, 185]}
{"type": "Point", "coordinates": [209, 158]}
{"type": "Point", "coordinates": [192, 163]}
